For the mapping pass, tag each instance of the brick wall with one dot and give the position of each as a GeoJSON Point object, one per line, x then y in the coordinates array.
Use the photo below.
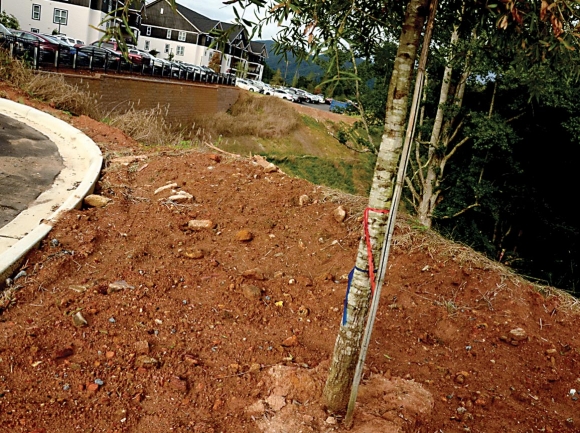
{"type": "Point", "coordinates": [183, 101]}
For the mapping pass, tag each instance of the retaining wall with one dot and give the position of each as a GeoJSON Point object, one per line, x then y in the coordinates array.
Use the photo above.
{"type": "Point", "coordinates": [183, 100]}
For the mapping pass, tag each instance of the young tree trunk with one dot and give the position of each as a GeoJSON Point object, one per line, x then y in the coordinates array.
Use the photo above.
{"type": "Point", "coordinates": [429, 196]}
{"type": "Point", "coordinates": [440, 149]}
{"type": "Point", "coordinates": [347, 348]}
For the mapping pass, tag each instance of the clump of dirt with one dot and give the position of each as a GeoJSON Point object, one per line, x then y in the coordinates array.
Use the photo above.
{"type": "Point", "coordinates": [212, 305]}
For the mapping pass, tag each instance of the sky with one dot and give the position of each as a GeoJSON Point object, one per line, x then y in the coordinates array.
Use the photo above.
{"type": "Point", "coordinates": [216, 10]}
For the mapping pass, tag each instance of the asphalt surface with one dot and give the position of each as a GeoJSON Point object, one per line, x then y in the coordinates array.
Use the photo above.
{"type": "Point", "coordinates": [29, 163]}
{"type": "Point", "coordinates": [322, 107]}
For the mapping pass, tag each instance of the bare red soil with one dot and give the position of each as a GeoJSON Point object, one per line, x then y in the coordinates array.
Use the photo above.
{"type": "Point", "coordinates": [229, 328]}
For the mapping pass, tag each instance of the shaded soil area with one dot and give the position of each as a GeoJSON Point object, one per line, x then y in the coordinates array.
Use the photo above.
{"type": "Point", "coordinates": [218, 312]}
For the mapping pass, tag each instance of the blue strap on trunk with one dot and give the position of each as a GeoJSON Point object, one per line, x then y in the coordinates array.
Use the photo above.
{"type": "Point", "coordinates": [345, 305]}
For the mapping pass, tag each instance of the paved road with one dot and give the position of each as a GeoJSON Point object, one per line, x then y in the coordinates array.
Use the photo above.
{"type": "Point", "coordinates": [323, 107]}
{"type": "Point", "coordinates": [29, 163]}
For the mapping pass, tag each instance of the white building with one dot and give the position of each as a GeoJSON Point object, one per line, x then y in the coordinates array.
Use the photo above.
{"type": "Point", "coordinates": [73, 18]}
{"type": "Point", "coordinates": [186, 35]}
{"type": "Point", "coordinates": [182, 34]}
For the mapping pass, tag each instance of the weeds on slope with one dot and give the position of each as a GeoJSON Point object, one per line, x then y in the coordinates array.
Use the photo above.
{"type": "Point", "coordinates": [47, 87]}
{"type": "Point", "coordinates": [146, 126]}
{"type": "Point", "coordinates": [252, 115]}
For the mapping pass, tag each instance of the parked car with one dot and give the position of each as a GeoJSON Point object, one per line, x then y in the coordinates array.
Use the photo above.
{"type": "Point", "coordinates": [268, 90]}
{"type": "Point", "coordinates": [48, 46]}
{"type": "Point", "coordinates": [134, 57]}
{"type": "Point", "coordinates": [6, 36]}
{"type": "Point", "coordinates": [164, 65]}
{"type": "Point", "coordinates": [320, 98]}
{"type": "Point", "coordinates": [4, 31]}
{"type": "Point", "coordinates": [246, 85]}
{"type": "Point", "coordinates": [98, 57]}
{"type": "Point", "coordinates": [77, 43]}
{"type": "Point", "coordinates": [210, 73]}
{"type": "Point", "coordinates": [311, 98]}
{"type": "Point", "coordinates": [299, 97]}
{"type": "Point", "coordinates": [283, 94]}
{"type": "Point", "coordinates": [180, 70]}
{"type": "Point", "coordinates": [199, 72]}
{"type": "Point", "coordinates": [262, 87]}
{"type": "Point", "coordinates": [72, 48]}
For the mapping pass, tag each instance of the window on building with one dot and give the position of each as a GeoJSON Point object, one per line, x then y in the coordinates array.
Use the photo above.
{"type": "Point", "coordinates": [181, 36]}
{"type": "Point", "coordinates": [35, 30]}
{"type": "Point", "coordinates": [35, 12]}
{"type": "Point", "coordinates": [147, 45]}
{"type": "Point", "coordinates": [167, 47]}
{"type": "Point", "coordinates": [168, 33]}
{"type": "Point", "coordinates": [148, 31]}
{"type": "Point", "coordinates": [180, 50]}
{"type": "Point", "coordinates": [60, 17]}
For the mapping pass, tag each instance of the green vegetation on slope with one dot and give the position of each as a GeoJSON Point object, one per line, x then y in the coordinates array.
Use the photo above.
{"type": "Point", "coordinates": [348, 176]}
{"type": "Point", "coordinates": [300, 145]}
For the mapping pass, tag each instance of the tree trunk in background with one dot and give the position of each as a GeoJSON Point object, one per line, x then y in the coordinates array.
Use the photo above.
{"type": "Point", "coordinates": [347, 347]}
{"type": "Point", "coordinates": [425, 208]}
{"type": "Point", "coordinates": [440, 145]}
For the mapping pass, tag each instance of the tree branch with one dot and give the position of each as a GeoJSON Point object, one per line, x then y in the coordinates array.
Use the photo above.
{"type": "Point", "coordinates": [456, 214]}
{"type": "Point", "coordinates": [455, 132]}
{"type": "Point", "coordinates": [452, 152]}
{"type": "Point", "coordinates": [414, 193]}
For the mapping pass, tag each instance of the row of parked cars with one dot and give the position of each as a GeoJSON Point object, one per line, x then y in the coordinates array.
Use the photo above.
{"type": "Point", "coordinates": [288, 93]}
{"type": "Point", "coordinates": [60, 50]}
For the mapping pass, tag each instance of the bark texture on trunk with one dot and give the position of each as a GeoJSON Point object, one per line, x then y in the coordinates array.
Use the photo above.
{"type": "Point", "coordinates": [347, 348]}
{"type": "Point", "coordinates": [425, 208]}
{"type": "Point", "coordinates": [440, 145]}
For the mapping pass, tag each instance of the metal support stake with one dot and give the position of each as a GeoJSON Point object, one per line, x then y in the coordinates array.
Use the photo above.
{"type": "Point", "coordinates": [414, 111]}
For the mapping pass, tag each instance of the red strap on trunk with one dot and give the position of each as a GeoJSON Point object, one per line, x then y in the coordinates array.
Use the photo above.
{"type": "Point", "coordinates": [369, 246]}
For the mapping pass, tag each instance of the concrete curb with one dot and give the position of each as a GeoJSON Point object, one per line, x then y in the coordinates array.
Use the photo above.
{"type": "Point", "coordinates": [82, 161]}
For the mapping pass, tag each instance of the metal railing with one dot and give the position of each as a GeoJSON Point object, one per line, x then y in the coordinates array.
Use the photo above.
{"type": "Point", "coordinates": [92, 58]}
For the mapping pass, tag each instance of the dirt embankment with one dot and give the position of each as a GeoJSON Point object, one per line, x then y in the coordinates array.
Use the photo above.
{"type": "Point", "coordinates": [133, 318]}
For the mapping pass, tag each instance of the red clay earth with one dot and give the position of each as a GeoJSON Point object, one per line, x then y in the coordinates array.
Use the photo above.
{"type": "Point", "coordinates": [229, 327]}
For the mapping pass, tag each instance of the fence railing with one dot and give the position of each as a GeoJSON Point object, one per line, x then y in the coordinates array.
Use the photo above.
{"type": "Point", "coordinates": [93, 58]}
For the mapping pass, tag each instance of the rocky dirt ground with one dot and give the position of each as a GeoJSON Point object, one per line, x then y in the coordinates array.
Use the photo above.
{"type": "Point", "coordinates": [218, 313]}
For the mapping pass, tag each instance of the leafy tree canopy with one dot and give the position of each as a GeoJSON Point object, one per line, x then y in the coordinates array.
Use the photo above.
{"type": "Point", "coordinates": [9, 21]}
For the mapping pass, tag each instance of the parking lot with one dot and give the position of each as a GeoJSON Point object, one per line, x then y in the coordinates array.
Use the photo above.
{"type": "Point", "coordinates": [47, 53]}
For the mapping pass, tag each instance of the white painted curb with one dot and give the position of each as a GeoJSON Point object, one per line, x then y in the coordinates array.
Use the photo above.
{"type": "Point", "coordinates": [82, 161]}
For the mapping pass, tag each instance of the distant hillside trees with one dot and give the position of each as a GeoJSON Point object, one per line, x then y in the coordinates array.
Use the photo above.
{"type": "Point", "coordinates": [277, 79]}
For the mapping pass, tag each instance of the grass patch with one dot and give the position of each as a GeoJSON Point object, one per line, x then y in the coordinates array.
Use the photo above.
{"type": "Point", "coordinates": [47, 87]}
{"type": "Point", "coordinates": [53, 89]}
{"type": "Point", "coordinates": [312, 123]}
{"type": "Point", "coordinates": [148, 127]}
{"type": "Point", "coordinates": [253, 115]}
{"type": "Point", "coordinates": [351, 176]}
{"type": "Point", "coordinates": [13, 72]}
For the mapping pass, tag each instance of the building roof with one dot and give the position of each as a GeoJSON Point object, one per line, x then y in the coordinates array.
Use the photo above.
{"type": "Point", "coordinates": [200, 21]}
{"type": "Point", "coordinates": [234, 30]}
{"type": "Point", "coordinates": [258, 48]}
